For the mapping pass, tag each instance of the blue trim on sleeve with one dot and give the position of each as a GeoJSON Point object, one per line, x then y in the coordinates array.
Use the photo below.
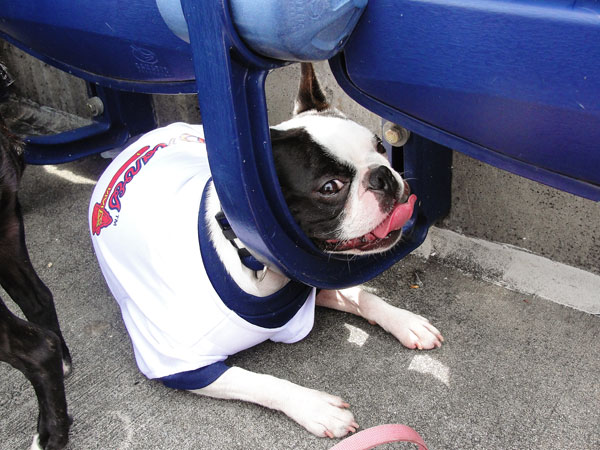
{"type": "Point", "coordinates": [195, 379]}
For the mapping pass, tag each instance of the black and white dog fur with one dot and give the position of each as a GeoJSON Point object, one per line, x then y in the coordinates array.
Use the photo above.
{"type": "Point", "coordinates": [34, 346]}
{"type": "Point", "coordinates": [346, 190]}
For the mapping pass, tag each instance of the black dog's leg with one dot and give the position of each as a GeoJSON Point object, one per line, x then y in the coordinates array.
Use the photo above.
{"type": "Point", "coordinates": [18, 277]}
{"type": "Point", "coordinates": [37, 353]}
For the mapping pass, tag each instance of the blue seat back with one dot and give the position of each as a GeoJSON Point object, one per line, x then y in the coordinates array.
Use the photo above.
{"type": "Point", "coordinates": [515, 83]}
{"type": "Point", "coordinates": [120, 44]}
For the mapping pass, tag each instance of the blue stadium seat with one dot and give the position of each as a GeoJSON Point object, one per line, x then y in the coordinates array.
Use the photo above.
{"type": "Point", "coordinates": [514, 83]}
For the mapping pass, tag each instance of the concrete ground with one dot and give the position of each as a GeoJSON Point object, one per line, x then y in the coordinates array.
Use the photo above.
{"type": "Point", "coordinates": [515, 372]}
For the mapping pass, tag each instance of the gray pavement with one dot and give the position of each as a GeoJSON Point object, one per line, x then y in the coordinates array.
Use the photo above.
{"type": "Point", "coordinates": [516, 371]}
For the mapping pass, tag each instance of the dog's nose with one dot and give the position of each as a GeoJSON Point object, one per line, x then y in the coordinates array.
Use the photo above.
{"type": "Point", "coordinates": [382, 179]}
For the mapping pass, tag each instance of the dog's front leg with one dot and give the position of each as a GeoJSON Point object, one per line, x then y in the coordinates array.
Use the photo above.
{"type": "Point", "coordinates": [320, 413]}
{"type": "Point", "coordinates": [36, 352]}
{"type": "Point", "coordinates": [412, 330]}
{"type": "Point", "coordinates": [20, 280]}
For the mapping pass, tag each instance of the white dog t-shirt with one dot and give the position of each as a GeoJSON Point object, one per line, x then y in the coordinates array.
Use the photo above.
{"type": "Point", "coordinates": [144, 216]}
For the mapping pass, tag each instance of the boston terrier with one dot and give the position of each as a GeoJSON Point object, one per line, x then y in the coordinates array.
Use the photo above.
{"type": "Point", "coordinates": [191, 294]}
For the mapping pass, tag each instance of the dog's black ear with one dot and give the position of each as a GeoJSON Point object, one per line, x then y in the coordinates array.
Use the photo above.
{"type": "Point", "coordinates": [292, 136]}
{"type": "Point", "coordinates": [289, 146]}
{"type": "Point", "coordinates": [310, 95]}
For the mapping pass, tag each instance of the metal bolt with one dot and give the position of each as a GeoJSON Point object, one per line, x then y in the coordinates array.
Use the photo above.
{"type": "Point", "coordinates": [95, 106]}
{"type": "Point", "coordinates": [395, 135]}
{"type": "Point", "coordinates": [392, 136]}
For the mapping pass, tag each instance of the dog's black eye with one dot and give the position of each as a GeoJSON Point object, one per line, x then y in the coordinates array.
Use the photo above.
{"type": "Point", "coordinates": [331, 187]}
{"type": "Point", "coordinates": [380, 147]}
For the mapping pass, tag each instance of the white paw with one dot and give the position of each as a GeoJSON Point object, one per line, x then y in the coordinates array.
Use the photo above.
{"type": "Point", "coordinates": [322, 414]}
{"type": "Point", "coordinates": [67, 368]}
{"type": "Point", "coordinates": [412, 330]}
{"type": "Point", "coordinates": [35, 445]}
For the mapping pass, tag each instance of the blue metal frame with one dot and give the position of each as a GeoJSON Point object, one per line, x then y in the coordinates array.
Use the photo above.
{"type": "Point", "coordinates": [126, 114]}
{"type": "Point", "coordinates": [243, 170]}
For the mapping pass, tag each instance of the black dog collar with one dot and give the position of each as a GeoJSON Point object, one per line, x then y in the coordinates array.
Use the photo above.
{"type": "Point", "coordinates": [245, 256]}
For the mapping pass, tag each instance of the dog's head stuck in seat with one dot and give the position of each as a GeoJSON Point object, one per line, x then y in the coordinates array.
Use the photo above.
{"type": "Point", "coordinates": [336, 178]}
{"type": "Point", "coordinates": [191, 295]}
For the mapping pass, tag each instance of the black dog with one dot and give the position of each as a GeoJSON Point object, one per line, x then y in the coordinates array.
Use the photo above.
{"type": "Point", "coordinates": [35, 347]}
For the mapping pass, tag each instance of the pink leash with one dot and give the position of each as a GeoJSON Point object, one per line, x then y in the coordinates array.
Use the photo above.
{"type": "Point", "coordinates": [382, 434]}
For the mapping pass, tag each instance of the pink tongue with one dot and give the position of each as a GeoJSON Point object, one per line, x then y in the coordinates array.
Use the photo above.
{"type": "Point", "coordinates": [397, 218]}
